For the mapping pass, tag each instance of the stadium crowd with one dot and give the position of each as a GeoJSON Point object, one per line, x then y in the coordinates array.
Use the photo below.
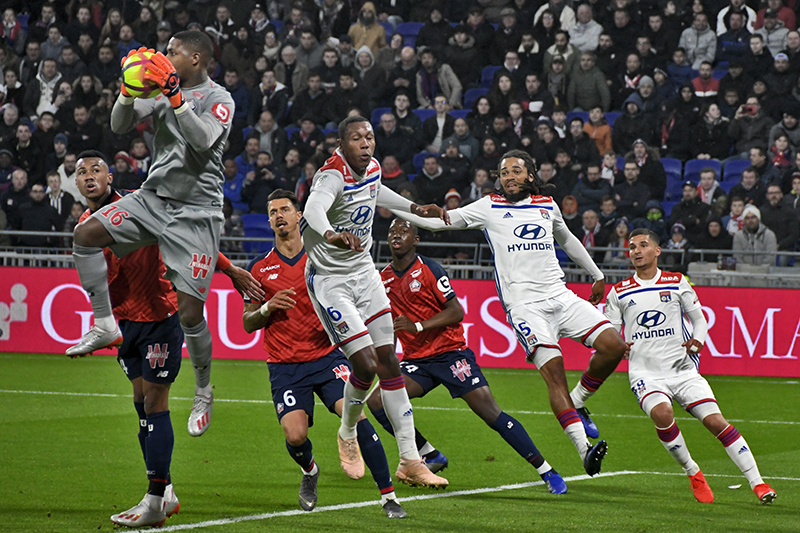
{"type": "Point", "coordinates": [680, 117]}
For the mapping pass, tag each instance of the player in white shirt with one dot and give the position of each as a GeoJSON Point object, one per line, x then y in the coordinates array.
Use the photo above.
{"type": "Point", "coordinates": [348, 295]}
{"type": "Point", "coordinates": [522, 227]}
{"type": "Point", "coordinates": [663, 361]}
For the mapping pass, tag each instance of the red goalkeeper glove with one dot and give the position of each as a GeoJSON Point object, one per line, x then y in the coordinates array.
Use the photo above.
{"type": "Point", "coordinates": [122, 88]}
{"type": "Point", "coordinates": [162, 73]}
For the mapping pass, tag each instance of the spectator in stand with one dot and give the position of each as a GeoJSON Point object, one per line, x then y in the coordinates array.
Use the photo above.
{"type": "Point", "coordinates": [624, 29]}
{"type": "Point", "coordinates": [260, 182]}
{"type": "Point", "coordinates": [710, 138]}
{"type": "Point", "coordinates": [222, 29]}
{"type": "Point", "coordinates": [473, 191]}
{"type": "Point", "coordinates": [647, 54]}
{"type": "Point", "coordinates": [783, 13]}
{"type": "Point", "coordinates": [308, 138]}
{"type": "Point", "coordinates": [735, 6]}
{"type": "Point", "coordinates": [591, 189]}
{"type": "Point", "coordinates": [792, 199]}
{"type": "Point", "coordinates": [608, 213]}
{"type": "Point", "coordinates": [755, 244]}
{"type": "Point", "coordinates": [310, 50]}
{"type": "Point", "coordinates": [714, 237]}
{"type": "Point", "coordinates": [679, 69]}
{"type": "Point", "coordinates": [652, 172]}
{"type": "Point", "coordinates": [124, 176]}
{"type": "Point", "coordinates": [792, 51]}
{"type": "Point", "coordinates": [631, 195]}
{"type": "Point", "coordinates": [392, 175]}
{"type": "Point", "coordinates": [788, 126]}
{"type": "Point", "coordinates": [592, 234]}
{"type": "Point", "coordinates": [780, 80]}
{"type": "Point", "coordinates": [290, 72]}
{"type": "Point", "coordinates": [28, 155]}
{"type": "Point", "coordinates": [536, 100]}
{"type": "Point", "coordinates": [37, 215]}
{"type": "Point", "coordinates": [70, 65]}
{"type": "Point", "coordinates": [663, 38]}
{"type": "Point", "coordinates": [272, 138]}
{"type": "Point", "coordinates": [312, 101]}
{"type": "Point", "coordinates": [403, 77]}
{"type": "Point", "coordinates": [750, 188]}
{"type": "Point", "coordinates": [330, 69]}
{"type": "Point", "coordinates": [54, 44]}
{"type": "Point", "coordinates": [765, 168]}
{"type": "Point", "coordinates": [436, 31]}
{"type": "Point", "coordinates": [60, 201]}
{"type": "Point", "coordinates": [706, 87]}
{"type": "Point", "coordinates": [106, 67]}
{"type": "Point", "coordinates": [619, 255]}
{"type": "Point", "coordinates": [750, 127]}
{"type": "Point", "coordinates": [468, 145]}
{"type": "Point", "coordinates": [563, 13]}
{"type": "Point", "coordinates": [463, 56]}
{"type": "Point", "coordinates": [758, 59]}
{"type": "Point", "coordinates": [651, 102]}
{"type": "Point", "coordinates": [557, 81]}
{"type": "Point", "coordinates": [632, 125]}
{"type": "Point", "coordinates": [67, 172]}
{"type": "Point", "coordinates": [370, 77]}
{"type": "Point", "coordinates": [563, 49]}
{"type": "Point", "coordinates": [435, 78]}
{"type": "Point", "coordinates": [654, 220]}
{"type": "Point", "coordinates": [530, 53]}
{"type": "Point", "coordinates": [14, 196]}
{"type": "Point", "coordinates": [489, 156]}
{"type": "Point", "coordinates": [690, 211]}
{"type": "Point", "coordinates": [676, 258]}
{"type": "Point", "coordinates": [699, 41]}
{"type": "Point", "coordinates": [597, 129]}
{"type": "Point", "coordinates": [710, 192]}
{"type": "Point", "coordinates": [774, 32]}
{"type": "Point", "coordinates": [733, 44]}
{"type": "Point", "coordinates": [41, 92]}
{"type": "Point", "coordinates": [626, 81]}
{"type": "Point", "coordinates": [781, 155]}
{"type": "Point", "coordinates": [585, 34]}
{"type": "Point", "coordinates": [367, 31]}
{"type": "Point", "coordinates": [508, 36]}
{"type": "Point", "coordinates": [482, 30]}
{"type": "Point", "coordinates": [394, 141]}
{"type": "Point", "coordinates": [85, 133]}
{"type": "Point", "coordinates": [588, 86]}
{"type": "Point", "coordinates": [513, 69]}
{"type": "Point", "coordinates": [12, 32]}
{"type": "Point", "coordinates": [433, 182]}
{"type": "Point", "coordinates": [231, 187]}
{"type": "Point", "coordinates": [782, 220]}
{"type": "Point", "coordinates": [438, 127]}
{"type": "Point", "coordinates": [28, 66]}
{"type": "Point", "coordinates": [455, 165]}
{"type": "Point", "coordinates": [580, 147]}
{"type": "Point", "coordinates": [269, 95]}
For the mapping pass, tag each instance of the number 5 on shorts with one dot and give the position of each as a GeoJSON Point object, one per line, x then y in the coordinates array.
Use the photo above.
{"type": "Point", "coordinates": [334, 314]}
{"type": "Point", "coordinates": [524, 329]}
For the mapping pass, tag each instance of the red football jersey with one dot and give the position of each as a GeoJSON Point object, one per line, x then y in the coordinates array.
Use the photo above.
{"type": "Point", "coordinates": [291, 335]}
{"type": "Point", "coordinates": [419, 293]}
{"type": "Point", "coordinates": [138, 290]}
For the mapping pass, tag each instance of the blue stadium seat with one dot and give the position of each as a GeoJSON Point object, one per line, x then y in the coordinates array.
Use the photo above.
{"type": "Point", "coordinates": [23, 18]}
{"type": "Point", "coordinates": [277, 23]}
{"type": "Point", "coordinates": [692, 168]}
{"type": "Point", "coordinates": [578, 114]}
{"type": "Point", "coordinates": [672, 167]}
{"type": "Point", "coordinates": [473, 94]}
{"type": "Point", "coordinates": [424, 113]}
{"type": "Point", "coordinates": [727, 185]}
{"type": "Point", "coordinates": [620, 162]}
{"type": "Point", "coordinates": [257, 225]}
{"type": "Point", "coordinates": [487, 75]}
{"type": "Point", "coordinates": [409, 29]}
{"type": "Point", "coordinates": [668, 207]}
{"type": "Point", "coordinates": [326, 131]}
{"type": "Point", "coordinates": [411, 177]}
{"type": "Point", "coordinates": [375, 117]}
{"type": "Point", "coordinates": [718, 74]}
{"type": "Point", "coordinates": [459, 113]}
{"type": "Point", "coordinates": [674, 191]}
{"type": "Point", "coordinates": [419, 159]}
{"type": "Point", "coordinates": [245, 131]}
{"type": "Point", "coordinates": [612, 117]}
{"type": "Point", "coordinates": [389, 30]}
{"type": "Point", "coordinates": [291, 130]}
{"type": "Point", "coordinates": [733, 170]}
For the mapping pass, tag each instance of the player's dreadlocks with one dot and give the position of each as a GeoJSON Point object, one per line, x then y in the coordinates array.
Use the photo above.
{"type": "Point", "coordinates": [535, 186]}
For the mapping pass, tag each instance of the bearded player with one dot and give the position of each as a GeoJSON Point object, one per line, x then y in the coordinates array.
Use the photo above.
{"type": "Point", "coordinates": [663, 362]}
{"type": "Point", "coordinates": [300, 358]}
{"type": "Point", "coordinates": [522, 226]}
{"type": "Point", "coordinates": [179, 206]}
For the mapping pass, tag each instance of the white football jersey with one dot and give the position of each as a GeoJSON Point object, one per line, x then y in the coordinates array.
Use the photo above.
{"type": "Point", "coordinates": [353, 210]}
{"type": "Point", "coordinates": [653, 314]}
{"type": "Point", "coordinates": [521, 236]}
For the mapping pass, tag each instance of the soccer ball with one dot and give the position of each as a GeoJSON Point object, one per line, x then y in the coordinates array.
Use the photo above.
{"type": "Point", "coordinates": [133, 71]}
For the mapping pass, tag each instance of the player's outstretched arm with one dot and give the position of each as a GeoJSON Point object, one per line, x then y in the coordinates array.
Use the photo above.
{"type": "Point", "coordinates": [256, 315]}
{"type": "Point", "coordinates": [575, 250]}
{"type": "Point", "coordinates": [316, 215]}
{"type": "Point", "coordinates": [452, 313]}
{"type": "Point", "coordinates": [244, 282]}
{"type": "Point", "coordinates": [389, 199]}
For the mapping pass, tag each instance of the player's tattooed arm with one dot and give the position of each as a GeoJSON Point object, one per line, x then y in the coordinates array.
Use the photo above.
{"type": "Point", "coordinates": [256, 315]}
{"type": "Point", "coordinates": [452, 313]}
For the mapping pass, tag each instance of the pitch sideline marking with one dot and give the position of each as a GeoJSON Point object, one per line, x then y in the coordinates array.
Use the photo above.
{"type": "Point", "coordinates": [355, 505]}
{"type": "Point", "coordinates": [419, 407]}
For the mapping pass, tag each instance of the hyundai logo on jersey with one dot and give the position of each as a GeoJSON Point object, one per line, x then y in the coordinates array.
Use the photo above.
{"type": "Point", "coordinates": [529, 232]}
{"type": "Point", "coordinates": [651, 319]}
{"type": "Point", "coordinates": [362, 215]}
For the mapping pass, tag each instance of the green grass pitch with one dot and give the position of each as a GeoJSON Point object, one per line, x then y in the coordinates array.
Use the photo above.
{"type": "Point", "coordinates": [70, 459]}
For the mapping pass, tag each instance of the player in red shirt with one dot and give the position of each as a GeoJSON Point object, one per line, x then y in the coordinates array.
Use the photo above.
{"type": "Point", "coordinates": [146, 305]}
{"type": "Point", "coordinates": [427, 320]}
{"type": "Point", "coordinates": [300, 357]}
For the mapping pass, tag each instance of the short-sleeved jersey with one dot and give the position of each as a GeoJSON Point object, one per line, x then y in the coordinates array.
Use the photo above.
{"type": "Point", "coordinates": [353, 209]}
{"type": "Point", "coordinates": [419, 293]}
{"type": "Point", "coordinates": [521, 237]}
{"type": "Point", "coordinates": [291, 335]}
{"type": "Point", "coordinates": [178, 171]}
{"type": "Point", "coordinates": [136, 282]}
{"type": "Point", "coordinates": [652, 312]}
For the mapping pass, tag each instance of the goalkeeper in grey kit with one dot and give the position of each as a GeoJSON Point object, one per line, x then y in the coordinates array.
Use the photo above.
{"type": "Point", "coordinates": [179, 206]}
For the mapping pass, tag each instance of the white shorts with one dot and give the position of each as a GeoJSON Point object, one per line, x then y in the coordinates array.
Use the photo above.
{"type": "Point", "coordinates": [691, 391]}
{"type": "Point", "coordinates": [354, 310]}
{"type": "Point", "coordinates": [545, 322]}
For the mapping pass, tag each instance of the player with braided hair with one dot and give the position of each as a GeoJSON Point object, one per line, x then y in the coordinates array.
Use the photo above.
{"type": "Point", "coordinates": [522, 226]}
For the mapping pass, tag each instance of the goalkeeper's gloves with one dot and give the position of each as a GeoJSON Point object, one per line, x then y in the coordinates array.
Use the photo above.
{"type": "Point", "coordinates": [122, 88]}
{"type": "Point", "coordinates": [162, 73]}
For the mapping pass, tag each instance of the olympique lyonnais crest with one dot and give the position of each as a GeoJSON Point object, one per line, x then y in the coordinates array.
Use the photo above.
{"type": "Point", "coordinates": [532, 339]}
{"type": "Point", "coordinates": [545, 214]}
{"type": "Point", "coordinates": [343, 328]}
{"type": "Point", "coordinates": [373, 188]}
{"type": "Point", "coordinates": [639, 388]}
{"type": "Point", "coordinates": [665, 296]}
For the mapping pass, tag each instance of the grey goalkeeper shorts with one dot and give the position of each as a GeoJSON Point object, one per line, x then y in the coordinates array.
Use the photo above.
{"type": "Point", "coordinates": [187, 236]}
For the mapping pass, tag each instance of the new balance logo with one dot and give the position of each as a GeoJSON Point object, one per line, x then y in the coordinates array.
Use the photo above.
{"type": "Point", "coordinates": [743, 449]}
{"type": "Point", "coordinates": [272, 276]}
{"type": "Point", "coordinates": [508, 215]}
{"type": "Point", "coordinates": [475, 381]}
{"type": "Point", "coordinates": [510, 424]}
{"type": "Point", "coordinates": [163, 374]}
{"type": "Point", "coordinates": [410, 412]}
{"type": "Point", "coordinates": [157, 355]}
{"type": "Point", "coordinates": [354, 401]}
{"type": "Point", "coordinates": [675, 447]}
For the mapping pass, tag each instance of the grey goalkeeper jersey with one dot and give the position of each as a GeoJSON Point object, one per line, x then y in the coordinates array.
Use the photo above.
{"type": "Point", "coordinates": [187, 148]}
